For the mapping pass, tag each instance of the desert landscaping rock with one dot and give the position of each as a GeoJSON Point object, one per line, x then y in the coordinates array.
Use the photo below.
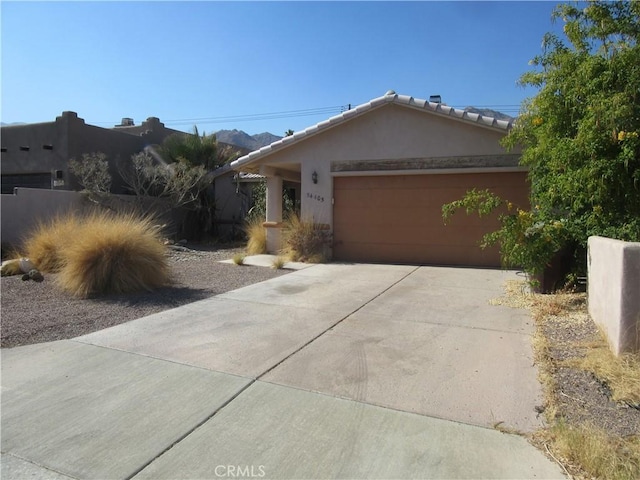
{"type": "Point", "coordinates": [36, 312]}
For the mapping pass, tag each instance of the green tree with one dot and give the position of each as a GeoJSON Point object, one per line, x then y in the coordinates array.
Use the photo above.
{"type": "Point", "coordinates": [579, 134]}
{"type": "Point", "coordinates": [197, 152]}
{"type": "Point", "coordinates": [196, 149]}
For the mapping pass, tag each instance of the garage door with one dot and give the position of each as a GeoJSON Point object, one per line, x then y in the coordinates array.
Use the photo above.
{"type": "Point", "coordinates": [398, 219]}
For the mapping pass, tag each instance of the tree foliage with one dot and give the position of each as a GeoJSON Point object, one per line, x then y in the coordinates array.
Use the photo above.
{"type": "Point", "coordinates": [580, 132]}
{"type": "Point", "coordinates": [195, 149]}
{"type": "Point", "coordinates": [579, 136]}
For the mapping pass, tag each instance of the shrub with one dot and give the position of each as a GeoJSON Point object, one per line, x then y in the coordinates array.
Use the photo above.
{"type": "Point", "coordinates": [101, 253]}
{"type": "Point", "coordinates": [257, 237]}
{"type": "Point", "coordinates": [526, 238]}
{"type": "Point", "coordinates": [44, 246]}
{"type": "Point", "coordinates": [92, 172]}
{"type": "Point", "coordinates": [580, 132]}
{"type": "Point", "coordinates": [305, 241]}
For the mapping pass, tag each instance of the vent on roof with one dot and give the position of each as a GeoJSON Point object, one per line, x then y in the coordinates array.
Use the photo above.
{"type": "Point", "coordinates": [126, 122]}
{"type": "Point", "coordinates": [435, 99]}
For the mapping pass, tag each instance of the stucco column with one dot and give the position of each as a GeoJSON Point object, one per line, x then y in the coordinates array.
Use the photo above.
{"type": "Point", "coordinates": [274, 214]}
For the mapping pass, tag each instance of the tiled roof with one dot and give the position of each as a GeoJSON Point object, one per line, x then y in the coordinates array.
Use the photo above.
{"type": "Point", "coordinates": [389, 97]}
{"type": "Point", "coordinates": [242, 176]}
{"type": "Point", "coordinates": [250, 176]}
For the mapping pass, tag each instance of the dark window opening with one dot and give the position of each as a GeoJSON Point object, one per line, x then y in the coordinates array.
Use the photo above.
{"type": "Point", "coordinates": [47, 147]}
{"type": "Point", "coordinates": [24, 149]}
{"type": "Point", "coordinates": [3, 149]}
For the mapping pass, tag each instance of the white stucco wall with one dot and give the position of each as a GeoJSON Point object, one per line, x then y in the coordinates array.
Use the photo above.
{"type": "Point", "coordinates": [614, 291]}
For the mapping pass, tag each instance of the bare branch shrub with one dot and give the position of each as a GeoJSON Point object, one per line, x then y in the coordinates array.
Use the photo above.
{"type": "Point", "coordinates": [177, 184]}
{"type": "Point", "coordinates": [92, 172]}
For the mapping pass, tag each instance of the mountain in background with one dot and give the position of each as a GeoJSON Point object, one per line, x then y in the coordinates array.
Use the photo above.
{"type": "Point", "coordinates": [487, 112]}
{"type": "Point", "coordinates": [243, 139]}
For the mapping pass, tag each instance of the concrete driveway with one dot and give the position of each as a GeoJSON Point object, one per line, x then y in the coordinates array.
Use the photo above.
{"type": "Point", "coordinates": [333, 371]}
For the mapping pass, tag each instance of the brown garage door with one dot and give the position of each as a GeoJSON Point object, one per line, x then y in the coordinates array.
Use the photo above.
{"type": "Point", "coordinates": [398, 219]}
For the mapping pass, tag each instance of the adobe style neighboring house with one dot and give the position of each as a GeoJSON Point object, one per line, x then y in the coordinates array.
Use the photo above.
{"type": "Point", "coordinates": [37, 155]}
{"type": "Point", "coordinates": [378, 175]}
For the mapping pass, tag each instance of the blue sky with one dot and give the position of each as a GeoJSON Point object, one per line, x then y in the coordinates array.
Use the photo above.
{"type": "Point", "coordinates": [226, 65]}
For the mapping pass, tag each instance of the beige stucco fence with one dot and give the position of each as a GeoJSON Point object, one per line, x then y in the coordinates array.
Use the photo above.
{"type": "Point", "coordinates": [27, 206]}
{"type": "Point", "coordinates": [614, 291]}
{"type": "Point", "coordinates": [21, 211]}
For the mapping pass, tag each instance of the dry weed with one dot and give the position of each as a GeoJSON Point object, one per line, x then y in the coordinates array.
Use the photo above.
{"type": "Point", "coordinates": [582, 449]}
{"type": "Point", "coordinates": [621, 374]}
{"type": "Point", "coordinates": [589, 452]}
{"type": "Point", "coordinates": [278, 263]}
{"type": "Point", "coordinates": [238, 258]}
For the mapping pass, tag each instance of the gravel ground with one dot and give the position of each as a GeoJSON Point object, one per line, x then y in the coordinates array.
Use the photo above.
{"type": "Point", "coordinates": [581, 396]}
{"type": "Point", "coordinates": [33, 312]}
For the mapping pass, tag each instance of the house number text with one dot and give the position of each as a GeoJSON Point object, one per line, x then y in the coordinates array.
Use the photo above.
{"type": "Point", "coordinates": [315, 197]}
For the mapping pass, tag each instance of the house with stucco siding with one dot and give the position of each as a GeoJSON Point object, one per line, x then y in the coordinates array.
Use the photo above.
{"type": "Point", "coordinates": [36, 155]}
{"type": "Point", "coordinates": [378, 175]}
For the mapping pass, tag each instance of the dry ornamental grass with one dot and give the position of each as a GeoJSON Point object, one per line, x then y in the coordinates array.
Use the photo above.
{"type": "Point", "coordinates": [100, 253]}
{"type": "Point", "coordinates": [257, 237]}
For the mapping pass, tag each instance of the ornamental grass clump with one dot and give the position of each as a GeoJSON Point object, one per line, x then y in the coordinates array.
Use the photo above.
{"type": "Point", "coordinates": [257, 237]}
{"type": "Point", "coordinates": [305, 241]}
{"type": "Point", "coordinates": [44, 246]}
{"type": "Point", "coordinates": [101, 253]}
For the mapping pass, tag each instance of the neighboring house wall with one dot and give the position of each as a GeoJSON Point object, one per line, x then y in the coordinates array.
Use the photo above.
{"type": "Point", "coordinates": [46, 148]}
{"type": "Point", "coordinates": [39, 148]}
{"type": "Point", "coordinates": [233, 200]}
